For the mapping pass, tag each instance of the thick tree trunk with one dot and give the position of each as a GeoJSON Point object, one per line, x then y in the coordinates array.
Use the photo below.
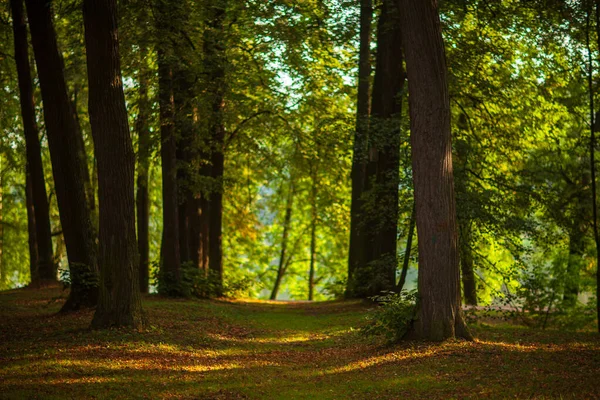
{"type": "Point", "coordinates": [439, 314]}
{"type": "Point", "coordinates": [407, 251]}
{"type": "Point", "coordinates": [466, 264]}
{"type": "Point", "coordinates": [68, 162]}
{"type": "Point", "coordinates": [45, 269]}
{"type": "Point", "coordinates": [380, 234]}
{"type": "Point", "coordinates": [171, 261]}
{"type": "Point", "coordinates": [356, 250]}
{"type": "Point", "coordinates": [142, 196]}
{"type": "Point", "coordinates": [593, 129]}
{"type": "Point", "coordinates": [287, 221]}
{"type": "Point", "coordinates": [214, 68]}
{"type": "Point", "coordinates": [119, 303]}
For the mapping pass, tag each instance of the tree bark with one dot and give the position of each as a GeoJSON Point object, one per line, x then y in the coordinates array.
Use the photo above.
{"type": "Point", "coordinates": [439, 314]}
{"type": "Point", "coordinates": [287, 220]}
{"type": "Point", "coordinates": [41, 253]}
{"type": "Point", "coordinates": [119, 303]}
{"type": "Point", "coordinates": [171, 261]}
{"type": "Point", "coordinates": [593, 129]}
{"type": "Point", "coordinates": [214, 68]}
{"type": "Point", "coordinates": [142, 197]}
{"type": "Point", "coordinates": [359, 156]}
{"type": "Point", "coordinates": [68, 161]}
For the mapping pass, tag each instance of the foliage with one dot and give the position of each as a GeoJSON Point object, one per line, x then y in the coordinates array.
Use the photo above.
{"type": "Point", "coordinates": [393, 317]}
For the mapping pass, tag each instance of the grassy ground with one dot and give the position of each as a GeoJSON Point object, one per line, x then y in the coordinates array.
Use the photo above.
{"type": "Point", "coordinates": [260, 350]}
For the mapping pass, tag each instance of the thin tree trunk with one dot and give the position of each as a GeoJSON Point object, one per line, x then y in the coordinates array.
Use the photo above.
{"type": "Point", "coordinates": [313, 236]}
{"type": "Point", "coordinates": [439, 314]}
{"type": "Point", "coordinates": [359, 157]}
{"type": "Point", "coordinates": [407, 251]}
{"type": "Point", "coordinates": [592, 155]}
{"type": "Point", "coordinates": [42, 255]}
{"type": "Point", "coordinates": [287, 220]}
{"type": "Point", "coordinates": [466, 264]}
{"type": "Point", "coordinates": [214, 65]}
{"type": "Point", "coordinates": [68, 162]}
{"type": "Point", "coordinates": [171, 263]}
{"type": "Point", "coordinates": [142, 197]}
{"type": "Point", "coordinates": [119, 303]}
{"type": "Point", "coordinates": [32, 239]}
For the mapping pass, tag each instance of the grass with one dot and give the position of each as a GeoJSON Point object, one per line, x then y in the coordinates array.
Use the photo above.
{"type": "Point", "coordinates": [264, 350]}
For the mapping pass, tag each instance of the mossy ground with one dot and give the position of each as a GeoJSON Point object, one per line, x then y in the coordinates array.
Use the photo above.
{"type": "Point", "coordinates": [262, 350]}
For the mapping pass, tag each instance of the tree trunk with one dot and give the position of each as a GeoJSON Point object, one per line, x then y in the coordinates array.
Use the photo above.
{"type": "Point", "coordinates": [359, 157]}
{"type": "Point", "coordinates": [380, 216]}
{"type": "Point", "coordinates": [142, 197]}
{"type": "Point", "coordinates": [466, 264]}
{"type": "Point", "coordinates": [68, 162]}
{"type": "Point", "coordinates": [287, 220]}
{"type": "Point", "coordinates": [42, 255]}
{"type": "Point", "coordinates": [214, 66]}
{"type": "Point", "coordinates": [119, 303]}
{"type": "Point", "coordinates": [171, 262]}
{"type": "Point", "coordinates": [593, 129]}
{"type": "Point", "coordinates": [313, 236]}
{"type": "Point", "coordinates": [407, 251]}
{"type": "Point", "coordinates": [439, 314]}
{"type": "Point", "coordinates": [32, 239]}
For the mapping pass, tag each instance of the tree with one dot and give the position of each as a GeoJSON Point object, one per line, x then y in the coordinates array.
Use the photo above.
{"type": "Point", "coordinates": [356, 256]}
{"type": "Point", "coordinates": [214, 68]}
{"type": "Point", "coordinates": [119, 303]}
{"type": "Point", "coordinates": [378, 214]}
{"type": "Point", "coordinates": [171, 258]}
{"type": "Point", "coordinates": [68, 159]}
{"type": "Point", "coordinates": [439, 314]}
{"type": "Point", "coordinates": [38, 211]}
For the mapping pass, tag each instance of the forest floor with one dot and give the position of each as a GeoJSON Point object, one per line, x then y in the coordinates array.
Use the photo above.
{"type": "Point", "coordinates": [197, 349]}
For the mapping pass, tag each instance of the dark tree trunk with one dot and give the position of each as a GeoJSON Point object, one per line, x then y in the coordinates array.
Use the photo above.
{"type": "Point", "coordinates": [119, 303]}
{"type": "Point", "coordinates": [439, 314]}
{"type": "Point", "coordinates": [142, 198]}
{"type": "Point", "coordinates": [466, 264]}
{"type": "Point", "coordinates": [32, 239]}
{"type": "Point", "coordinates": [287, 220]}
{"type": "Point", "coordinates": [359, 157]}
{"type": "Point", "coordinates": [593, 129]}
{"type": "Point", "coordinates": [68, 162]}
{"type": "Point", "coordinates": [407, 251]}
{"type": "Point", "coordinates": [171, 261]}
{"type": "Point", "coordinates": [313, 236]}
{"type": "Point", "coordinates": [379, 236]}
{"type": "Point", "coordinates": [214, 66]}
{"type": "Point", "coordinates": [38, 206]}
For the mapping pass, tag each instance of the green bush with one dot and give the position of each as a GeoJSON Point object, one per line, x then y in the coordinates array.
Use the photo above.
{"type": "Point", "coordinates": [393, 317]}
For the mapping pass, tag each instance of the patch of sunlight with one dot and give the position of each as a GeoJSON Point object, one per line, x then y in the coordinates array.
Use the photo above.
{"type": "Point", "coordinates": [59, 381]}
{"type": "Point", "coordinates": [515, 346]}
{"type": "Point", "coordinates": [289, 339]}
{"type": "Point", "coordinates": [376, 360]}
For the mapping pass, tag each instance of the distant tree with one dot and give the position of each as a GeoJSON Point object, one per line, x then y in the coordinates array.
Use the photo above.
{"type": "Point", "coordinates": [68, 159]}
{"type": "Point", "coordinates": [40, 235]}
{"type": "Point", "coordinates": [439, 314]}
{"type": "Point", "coordinates": [119, 302]}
